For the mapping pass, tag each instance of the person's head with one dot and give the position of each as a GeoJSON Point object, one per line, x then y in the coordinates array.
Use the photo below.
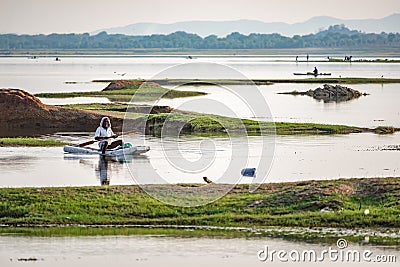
{"type": "Point", "coordinates": [105, 122]}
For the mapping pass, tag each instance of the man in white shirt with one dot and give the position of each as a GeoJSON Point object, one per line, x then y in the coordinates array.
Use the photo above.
{"type": "Point", "coordinates": [103, 133]}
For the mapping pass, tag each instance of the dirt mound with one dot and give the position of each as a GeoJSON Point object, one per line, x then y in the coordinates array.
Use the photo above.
{"type": "Point", "coordinates": [124, 84]}
{"type": "Point", "coordinates": [15, 101]}
{"type": "Point", "coordinates": [119, 85]}
{"type": "Point", "coordinates": [23, 114]}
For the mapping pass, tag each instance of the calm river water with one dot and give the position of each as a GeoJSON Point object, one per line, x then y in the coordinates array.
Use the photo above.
{"type": "Point", "coordinates": [288, 158]}
{"type": "Point", "coordinates": [294, 158]}
{"type": "Point", "coordinates": [169, 251]}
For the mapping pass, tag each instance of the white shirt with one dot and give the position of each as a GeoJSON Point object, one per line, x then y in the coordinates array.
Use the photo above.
{"type": "Point", "coordinates": [103, 132]}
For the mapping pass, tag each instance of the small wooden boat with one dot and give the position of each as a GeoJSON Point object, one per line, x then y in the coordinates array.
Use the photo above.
{"type": "Point", "coordinates": [312, 74]}
{"type": "Point", "coordinates": [119, 151]}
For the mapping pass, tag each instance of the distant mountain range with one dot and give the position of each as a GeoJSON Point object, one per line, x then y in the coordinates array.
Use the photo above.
{"type": "Point", "coordinates": [222, 28]}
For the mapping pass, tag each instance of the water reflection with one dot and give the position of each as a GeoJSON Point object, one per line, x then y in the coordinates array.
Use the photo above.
{"type": "Point", "coordinates": [102, 170]}
{"type": "Point", "coordinates": [103, 166]}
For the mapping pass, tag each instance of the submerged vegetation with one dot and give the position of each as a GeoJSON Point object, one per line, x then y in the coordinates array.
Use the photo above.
{"type": "Point", "coordinates": [327, 203]}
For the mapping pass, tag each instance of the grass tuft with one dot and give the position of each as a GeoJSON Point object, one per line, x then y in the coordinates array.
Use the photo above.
{"type": "Point", "coordinates": [29, 141]}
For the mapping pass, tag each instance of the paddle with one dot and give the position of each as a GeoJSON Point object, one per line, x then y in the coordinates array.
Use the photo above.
{"type": "Point", "coordinates": [94, 141]}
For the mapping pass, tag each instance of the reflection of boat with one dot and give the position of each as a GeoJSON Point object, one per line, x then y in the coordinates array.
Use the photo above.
{"type": "Point", "coordinates": [312, 74]}
{"type": "Point", "coordinates": [102, 170]}
{"type": "Point", "coordinates": [133, 150]}
{"type": "Point", "coordinates": [104, 165]}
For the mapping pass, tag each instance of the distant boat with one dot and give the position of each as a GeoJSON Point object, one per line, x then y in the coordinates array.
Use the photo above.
{"type": "Point", "coordinates": [313, 74]}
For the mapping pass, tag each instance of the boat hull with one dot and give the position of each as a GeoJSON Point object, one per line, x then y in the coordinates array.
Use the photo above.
{"type": "Point", "coordinates": [134, 150]}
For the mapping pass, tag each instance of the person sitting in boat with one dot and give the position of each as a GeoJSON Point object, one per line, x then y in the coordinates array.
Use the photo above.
{"type": "Point", "coordinates": [104, 133]}
{"type": "Point", "coordinates": [315, 71]}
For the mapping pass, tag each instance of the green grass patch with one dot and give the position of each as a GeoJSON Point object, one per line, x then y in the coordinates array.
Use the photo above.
{"type": "Point", "coordinates": [29, 141]}
{"type": "Point", "coordinates": [199, 123]}
{"type": "Point", "coordinates": [296, 204]}
{"type": "Point", "coordinates": [142, 92]}
{"type": "Point", "coordinates": [117, 107]}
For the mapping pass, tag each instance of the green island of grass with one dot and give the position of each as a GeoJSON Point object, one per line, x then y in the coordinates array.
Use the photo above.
{"type": "Point", "coordinates": [30, 141]}
{"type": "Point", "coordinates": [272, 208]}
{"type": "Point", "coordinates": [198, 123]}
{"type": "Point", "coordinates": [148, 91]}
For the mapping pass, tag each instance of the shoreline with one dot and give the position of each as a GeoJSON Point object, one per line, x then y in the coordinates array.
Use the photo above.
{"type": "Point", "coordinates": [387, 237]}
{"type": "Point", "coordinates": [261, 81]}
{"type": "Point", "coordinates": [384, 51]}
{"type": "Point", "coordinates": [314, 205]}
{"type": "Point", "coordinates": [266, 81]}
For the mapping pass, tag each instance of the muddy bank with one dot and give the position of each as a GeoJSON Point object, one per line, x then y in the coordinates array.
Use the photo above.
{"type": "Point", "coordinates": [25, 115]}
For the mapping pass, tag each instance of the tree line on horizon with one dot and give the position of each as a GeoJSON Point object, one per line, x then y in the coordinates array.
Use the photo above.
{"type": "Point", "coordinates": [336, 36]}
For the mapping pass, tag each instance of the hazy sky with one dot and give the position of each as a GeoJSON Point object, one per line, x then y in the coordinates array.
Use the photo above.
{"type": "Point", "coordinates": [47, 16]}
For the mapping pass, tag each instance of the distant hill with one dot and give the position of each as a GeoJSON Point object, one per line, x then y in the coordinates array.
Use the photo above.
{"type": "Point", "coordinates": [222, 28]}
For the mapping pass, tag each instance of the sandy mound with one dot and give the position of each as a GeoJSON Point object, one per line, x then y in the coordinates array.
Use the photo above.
{"type": "Point", "coordinates": [124, 84]}
{"type": "Point", "coordinates": [23, 114]}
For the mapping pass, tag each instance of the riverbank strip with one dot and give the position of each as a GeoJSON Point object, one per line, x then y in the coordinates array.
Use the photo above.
{"type": "Point", "coordinates": [263, 81]}
{"type": "Point", "coordinates": [147, 93]}
{"type": "Point", "coordinates": [30, 142]}
{"type": "Point", "coordinates": [368, 203]}
{"type": "Point", "coordinates": [217, 125]}
{"type": "Point", "coordinates": [185, 52]}
{"type": "Point", "coordinates": [266, 81]}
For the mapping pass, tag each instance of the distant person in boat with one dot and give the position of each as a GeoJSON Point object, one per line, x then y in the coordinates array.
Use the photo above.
{"type": "Point", "coordinates": [315, 71]}
{"type": "Point", "coordinates": [104, 133]}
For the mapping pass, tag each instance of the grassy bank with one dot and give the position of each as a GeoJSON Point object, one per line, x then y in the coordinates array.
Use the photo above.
{"type": "Point", "coordinates": [201, 123]}
{"type": "Point", "coordinates": [266, 81]}
{"type": "Point", "coordinates": [192, 122]}
{"type": "Point", "coordinates": [352, 80]}
{"type": "Point", "coordinates": [329, 203]}
{"type": "Point", "coordinates": [30, 141]}
{"type": "Point", "coordinates": [147, 92]}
